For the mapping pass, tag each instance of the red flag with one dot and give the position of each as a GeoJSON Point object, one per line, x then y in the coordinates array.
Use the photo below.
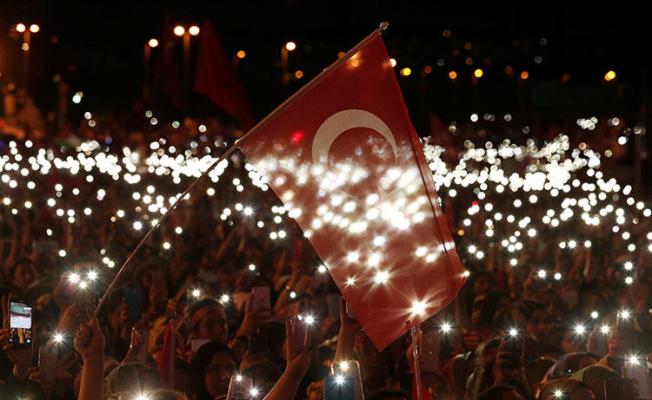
{"type": "Point", "coordinates": [345, 160]}
{"type": "Point", "coordinates": [165, 365]}
{"type": "Point", "coordinates": [216, 79]}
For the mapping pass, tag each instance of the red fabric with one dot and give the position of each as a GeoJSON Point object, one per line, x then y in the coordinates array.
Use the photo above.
{"type": "Point", "coordinates": [215, 78]}
{"type": "Point", "coordinates": [165, 363]}
{"type": "Point", "coordinates": [345, 160]}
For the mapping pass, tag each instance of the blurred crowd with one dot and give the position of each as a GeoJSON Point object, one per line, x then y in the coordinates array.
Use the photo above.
{"type": "Point", "coordinates": [227, 296]}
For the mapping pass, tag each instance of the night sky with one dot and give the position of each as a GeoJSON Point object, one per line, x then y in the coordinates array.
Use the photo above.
{"type": "Point", "coordinates": [99, 46]}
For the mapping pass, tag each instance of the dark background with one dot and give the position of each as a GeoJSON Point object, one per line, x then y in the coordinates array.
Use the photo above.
{"type": "Point", "coordinates": [99, 50]}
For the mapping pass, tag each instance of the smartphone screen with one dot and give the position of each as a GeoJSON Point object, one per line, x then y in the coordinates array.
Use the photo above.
{"type": "Point", "coordinates": [239, 388]}
{"type": "Point", "coordinates": [20, 323]}
{"type": "Point", "coordinates": [338, 387]}
{"type": "Point", "coordinates": [260, 298]}
{"type": "Point", "coordinates": [47, 362]}
{"type": "Point", "coordinates": [134, 299]}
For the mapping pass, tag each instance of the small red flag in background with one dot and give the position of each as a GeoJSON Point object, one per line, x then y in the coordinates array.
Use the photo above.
{"type": "Point", "coordinates": [343, 157]}
{"type": "Point", "coordinates": [216, 79]}
{"type": "Point", "coordinates": [166, 357]}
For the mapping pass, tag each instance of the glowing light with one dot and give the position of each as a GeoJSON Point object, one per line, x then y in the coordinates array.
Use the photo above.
{"type": "Point", "coordinates": [445, 327]}
{"type": "Point", "coordinates": [381, 277]}
{"type": "Point", "coordinates": [290, 46]}
{"type": "Point", "coordinates": [20, 27]}
{"type": "Point", "coordinates": [478, 73]}
{"type": "Point", "coordinates": [418, 308]}
{"type": "Point", "coordinates": [194, 30]}
{"type": "Point", "coordinates": [512, 332]}
{"type": "Point", "coordinates": [339, 379]}
{"type": "Point", "coordinates": [179, 30]}
{"type": "Point", "coordinates": [92, 275]}
{"type": "Point", "coordinates": [73, 278]}
{"type": "Point", "coordinates": [610, 76]}
{"type": "Point", "coordinates": [604, 329]}
{"type": "Point", "coordinates": [152, 43]}
{"type": "Point", "coordinates": [579, 329]}
{"type": "Point", "coordinates": [58, 338]}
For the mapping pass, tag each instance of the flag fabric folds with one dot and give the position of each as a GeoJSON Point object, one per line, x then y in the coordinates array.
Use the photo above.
{"type": "Point", "coordinates": [343, 157]}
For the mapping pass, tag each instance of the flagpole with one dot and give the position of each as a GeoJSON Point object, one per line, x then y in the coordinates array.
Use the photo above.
{"type": "Point", "coordinates": [416, 355]}
{"type": "Point", "coordinates": [291, 100]}
{"type": "Point", "coordinates": [140, 244]}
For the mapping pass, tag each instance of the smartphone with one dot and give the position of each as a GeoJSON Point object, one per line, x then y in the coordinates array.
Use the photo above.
{"type": "Point", "coordinates": [239, 388]}
{"type": "Point", "coordinates": [260, 298]}
{"type": "Point", "coordinates": [47, 362]}
{"type": "Point", "coordinates": [338, 387]}
{"type": "Point", "coordinates": [134, 298]}
{"type": "Point", "coordinates": [20, 323]}
{"type": "Point", "coordinates": [430, 351]}
{"type": "Point", "coordinates": [618, 389]}
{"type": "Point", "coordinates": [637, 371]}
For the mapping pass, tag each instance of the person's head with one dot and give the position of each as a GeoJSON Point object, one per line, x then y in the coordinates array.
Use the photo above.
{"type": "Point", "coordinates": [481, 283]}
{"type": "Point", "coordinates": [501, 392]}
{"type": "Point", "coordinates": [538, 323]}
{"type": "Point", "coordinates": [566, 388]}
{"type": "Point", "coordinates": [389, 395]}
{"type": "Point", "coordinates": [572, 342]}
{"type": "Point", "coordinates": [132, 378]}
{"type": "Point", "coordinates": [208, 320]}
{"type": "Point", "coordinates": [212, 366]}
{"type": "Point", "coordinates": [22, 274]}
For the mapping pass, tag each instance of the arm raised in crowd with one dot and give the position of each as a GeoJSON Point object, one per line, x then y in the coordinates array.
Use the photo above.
{"type": "Point", "coordinates": [89, 342]}
{"type": "Point", "coordinates": [297, 363]}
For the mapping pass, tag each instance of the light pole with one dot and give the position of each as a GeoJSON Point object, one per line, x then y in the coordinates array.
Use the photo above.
{"type": "Point", "coordinates": [285, 51]}
{"type": "Point", "coordinates": [147, 59]}
{"type": "Point", "coordinates": [186, 34]}
{"type": "Point", "coordinates": [25, 47]}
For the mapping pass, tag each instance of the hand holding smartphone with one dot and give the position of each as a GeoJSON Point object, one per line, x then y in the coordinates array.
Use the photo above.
{"type": "Point", "coordinates": [239, 388]}
{"type": "Point", "coordinates": [20, 323]}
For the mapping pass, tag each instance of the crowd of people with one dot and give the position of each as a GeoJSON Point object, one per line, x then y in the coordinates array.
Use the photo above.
{"type": "Point", "coordinates": [227, 293]}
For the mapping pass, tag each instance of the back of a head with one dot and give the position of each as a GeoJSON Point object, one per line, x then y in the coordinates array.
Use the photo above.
{"type": "Point", "coordinates": [132, 377]}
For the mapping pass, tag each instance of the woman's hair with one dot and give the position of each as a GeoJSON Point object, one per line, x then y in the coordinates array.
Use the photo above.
{"type": "Point", "coordinates": [132, 377]}
{"type": "Point", "coordinates": [201, 361]}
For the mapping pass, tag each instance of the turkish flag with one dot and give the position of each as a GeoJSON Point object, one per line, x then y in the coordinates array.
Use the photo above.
{"type": "Point", "coordinates": [343, 157]}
